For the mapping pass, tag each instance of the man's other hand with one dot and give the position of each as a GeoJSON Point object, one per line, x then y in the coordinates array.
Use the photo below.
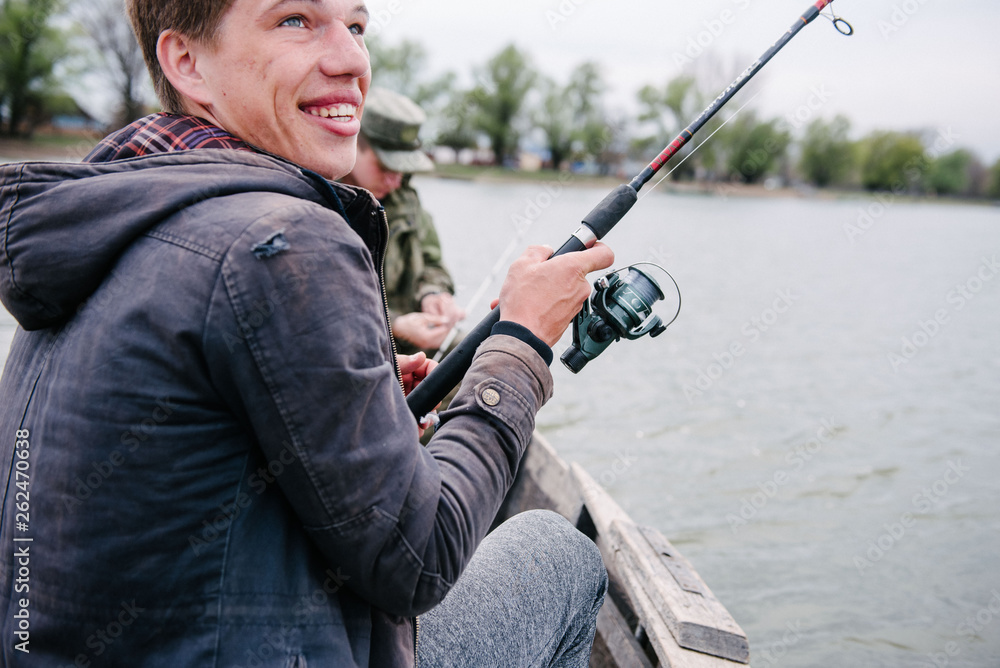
{"type": "Point", "coordinates": [442, 304]}
{"type": "Point", "coordinates": [423, 330]}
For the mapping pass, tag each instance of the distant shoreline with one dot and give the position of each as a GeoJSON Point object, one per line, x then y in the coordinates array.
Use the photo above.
{"type": "Point", "coordinates": [496, 175]}
{"type": "Point", "coordinates": [51, 148]}
{"type": "Point", "coordinates": [70, 148]}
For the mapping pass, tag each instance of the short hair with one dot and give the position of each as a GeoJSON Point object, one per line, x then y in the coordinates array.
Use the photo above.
{"type": "Point", "coordinates": [195, 19]}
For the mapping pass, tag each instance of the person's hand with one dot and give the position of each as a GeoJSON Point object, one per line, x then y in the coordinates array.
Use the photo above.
{"type": "Point", "coordinates": [414, 368]}
{"type": "Point", "coordinates": [442, 304]}
{"type": "Point", "coordinates": [423, 330]}
{"type": "Point", "coordinates": [545, 295]}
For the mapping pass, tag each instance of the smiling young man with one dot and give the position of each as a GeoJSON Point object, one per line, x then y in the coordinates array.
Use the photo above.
{"type": "Point", "coordinates": [214, 464]}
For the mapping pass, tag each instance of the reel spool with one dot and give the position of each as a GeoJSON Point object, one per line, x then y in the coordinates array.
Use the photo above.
{"type": "Point", "coordinates": [621, 307]}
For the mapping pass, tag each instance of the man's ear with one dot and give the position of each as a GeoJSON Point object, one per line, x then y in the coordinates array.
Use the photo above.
{"type": "Point", "coordinates": [178, 56]}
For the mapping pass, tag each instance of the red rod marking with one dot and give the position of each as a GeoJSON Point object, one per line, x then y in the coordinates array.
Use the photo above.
{"type": "Point", "coordinates": [668, 152]}
{"type": "Point", "coordinates": [822, 3]}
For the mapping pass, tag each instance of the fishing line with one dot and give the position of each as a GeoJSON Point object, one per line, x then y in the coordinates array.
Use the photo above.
{"type": "Point", "coordinates": [695, 150]}
{"type": "Point", "coordinates": [483, 287]}
{"type": "Point", "coordinates": [602, 219]}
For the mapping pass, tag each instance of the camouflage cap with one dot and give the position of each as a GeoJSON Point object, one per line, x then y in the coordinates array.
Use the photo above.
{"type": "Point", "coordinates": [391, 123]}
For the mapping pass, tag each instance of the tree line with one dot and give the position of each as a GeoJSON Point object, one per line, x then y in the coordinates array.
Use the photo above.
{"type": "Point", "coordinates": [47, 45]}
{"type": "Point", "coordinates": [511, 104]}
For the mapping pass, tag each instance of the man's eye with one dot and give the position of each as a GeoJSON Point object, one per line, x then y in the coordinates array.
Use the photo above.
{"type": "Point", "coordinates": [357, 29]}
{"type": "Point", "coordinates": [294, 22]}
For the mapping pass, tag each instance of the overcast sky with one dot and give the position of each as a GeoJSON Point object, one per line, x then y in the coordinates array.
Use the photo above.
{"type": "Point", "coordinates": [911, 65]}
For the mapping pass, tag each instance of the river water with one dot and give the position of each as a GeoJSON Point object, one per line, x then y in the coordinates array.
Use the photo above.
{"type": "Point", "coordinates": [818, 432]}
{"type": "Point", "coordinates": [837, 487]}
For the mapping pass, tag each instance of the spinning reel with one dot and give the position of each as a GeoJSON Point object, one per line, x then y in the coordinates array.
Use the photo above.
{"type": "Point", "coordinates": [620, 307]}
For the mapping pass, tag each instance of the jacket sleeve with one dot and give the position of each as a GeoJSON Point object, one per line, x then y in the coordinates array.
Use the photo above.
{"type": "Point", "coordinates": [297, 343]}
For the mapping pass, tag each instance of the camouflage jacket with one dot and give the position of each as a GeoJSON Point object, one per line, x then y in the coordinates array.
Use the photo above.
{"type": "Point", "coordinates": [413, 265]}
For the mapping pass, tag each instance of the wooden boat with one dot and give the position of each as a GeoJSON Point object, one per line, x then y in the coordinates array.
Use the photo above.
{"type": "Point", "coordinates": [658, 612]}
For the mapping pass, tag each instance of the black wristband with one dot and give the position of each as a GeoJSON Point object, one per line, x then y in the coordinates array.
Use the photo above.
{"type": "Point", "coordinates": [518, 331]}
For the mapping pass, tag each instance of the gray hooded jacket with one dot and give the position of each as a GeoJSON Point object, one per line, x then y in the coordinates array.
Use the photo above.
{"type": "Point", "coordinates": [214, 461]}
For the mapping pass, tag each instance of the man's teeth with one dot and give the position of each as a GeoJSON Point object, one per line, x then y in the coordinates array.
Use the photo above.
{"type": "Point", "coordinates": [336, 111]}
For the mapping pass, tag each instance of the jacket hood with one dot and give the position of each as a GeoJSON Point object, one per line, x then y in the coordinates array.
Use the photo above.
{"type": "Point", "coordinates": [63, 226]}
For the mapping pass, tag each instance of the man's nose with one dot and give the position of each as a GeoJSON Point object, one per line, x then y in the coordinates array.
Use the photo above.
{"type": "Point", "coordinates": [344, 55]}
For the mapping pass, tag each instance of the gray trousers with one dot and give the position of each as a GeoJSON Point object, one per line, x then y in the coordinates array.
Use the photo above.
{"type": "Point", "coordinates": [529, 597]}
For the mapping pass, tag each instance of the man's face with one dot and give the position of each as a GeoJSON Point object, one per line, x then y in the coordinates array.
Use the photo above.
{"type": "Point", "coordinates": [372, 175]}
{"type": "Point", "coordinates": [290, 76]}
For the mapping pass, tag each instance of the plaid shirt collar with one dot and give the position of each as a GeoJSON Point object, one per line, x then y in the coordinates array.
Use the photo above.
{"type": "Point", "coordinates": [163, 133]}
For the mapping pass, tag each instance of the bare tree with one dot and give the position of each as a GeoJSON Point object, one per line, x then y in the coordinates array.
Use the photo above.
{"type": "Point", "coordinates": [108, 30]}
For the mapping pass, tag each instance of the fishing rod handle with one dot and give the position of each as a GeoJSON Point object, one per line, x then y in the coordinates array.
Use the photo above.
{"type": "Point", "coordinates": [425, 397]}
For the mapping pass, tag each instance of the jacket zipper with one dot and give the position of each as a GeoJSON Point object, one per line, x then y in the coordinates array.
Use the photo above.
{"type": "Point", "coordinates": [416, 642]}
{"type": "Point", "coordinates": [399, 378]}
{"type": "Point", "coordinates": [385, 301]}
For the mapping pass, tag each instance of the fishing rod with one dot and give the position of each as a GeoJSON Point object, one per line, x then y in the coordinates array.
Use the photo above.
{"type": "Point", "coordinates": [596, 224]}
{"type": "Point", "coordinates": [487, 282]}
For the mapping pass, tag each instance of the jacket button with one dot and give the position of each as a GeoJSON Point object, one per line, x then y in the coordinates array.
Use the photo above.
{"type": "Point", "coordinates": [491, 397]}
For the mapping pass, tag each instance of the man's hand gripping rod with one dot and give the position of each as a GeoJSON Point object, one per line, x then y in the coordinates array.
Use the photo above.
{"type": "Point", "coordinates": [429, 393]}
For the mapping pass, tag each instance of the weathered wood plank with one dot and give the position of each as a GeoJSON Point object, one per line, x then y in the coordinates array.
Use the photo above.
{"type": "Point", "coordinates": [654, 572]}
{"type": "Point", "coordinates": [697, 621]}
{"type": "Point", "coordinates": [619, 598]}
{"type": "Point", "coordinates": [657, 602]}
{"type": "Point", "coordinates": [602, 508]}
{"type": "Point", "coordinates": [667, 650]}
{"type": "Point", "coordinates": [618, 638]}
{"type": "Point", "coordinates": [600, 657]}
